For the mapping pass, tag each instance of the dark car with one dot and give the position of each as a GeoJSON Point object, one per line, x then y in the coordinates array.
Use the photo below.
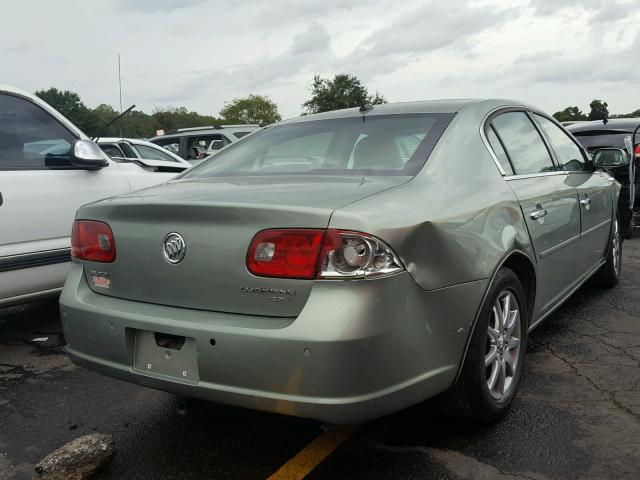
{"type": "Point", "coordinates": [599, 134]}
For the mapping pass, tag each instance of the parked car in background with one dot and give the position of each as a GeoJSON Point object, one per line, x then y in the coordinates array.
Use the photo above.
{"type": "Point", "coordinates": [616, 133]}
{"type": "Point", "coordinates": [146, 154]}
{"type": "Point", "coordinates": [194, 144]}
{"type": "Point", "coordinates": [48, 168]}
{"type": "Point", "coordinates": [345, 265]}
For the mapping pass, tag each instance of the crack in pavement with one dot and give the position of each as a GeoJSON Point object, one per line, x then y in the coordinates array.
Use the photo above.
{"type": "Point", "coordinates": [612, 394]}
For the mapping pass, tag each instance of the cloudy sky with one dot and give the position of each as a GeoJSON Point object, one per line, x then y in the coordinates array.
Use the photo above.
{"type": "Point", "coordinates": [201, 53]}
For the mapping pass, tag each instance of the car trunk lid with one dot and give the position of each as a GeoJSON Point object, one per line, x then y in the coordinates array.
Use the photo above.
{"type": "Point", "coordinates": [217, 218]}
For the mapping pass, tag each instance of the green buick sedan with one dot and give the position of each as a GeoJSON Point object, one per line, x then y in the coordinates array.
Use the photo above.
{"type": "Point", "coordinates": [346, 265]}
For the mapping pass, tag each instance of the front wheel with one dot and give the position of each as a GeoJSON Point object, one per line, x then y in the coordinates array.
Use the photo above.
{"type": "Point", "coordinates": [493, 366]}
{"type": "Point", "coordinates": [609, 274]}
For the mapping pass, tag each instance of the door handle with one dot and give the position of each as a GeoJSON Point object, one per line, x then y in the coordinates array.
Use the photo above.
{"type": "Point", "coordinates": [1, 198]}
{"type": "Point", "coordinates": [538, 214]}
{"type": "Point", "coordinates": [585, 201]}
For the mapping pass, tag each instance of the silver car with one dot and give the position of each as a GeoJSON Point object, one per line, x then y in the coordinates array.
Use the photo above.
{"type": "Point", "coordinates": [345, 265]}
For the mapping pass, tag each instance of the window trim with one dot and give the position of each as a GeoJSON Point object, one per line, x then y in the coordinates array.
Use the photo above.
{"type": "Point", "coordinates": [486, 123]}
{"type": "Point", "coordinates": [57, 120]}
{"type": "Point", "coordinates": [504, 149]}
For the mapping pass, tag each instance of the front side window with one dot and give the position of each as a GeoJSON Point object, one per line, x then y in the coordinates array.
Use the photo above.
{"type": "Point", "coordinates": [568, 153]}
{"type": "Point", "coordinates": [374, 145]}
{"type": "Point", "coordinates": [30, 138]}
{"type": "Point", "coordinates": [151, 153]}
{"type": "Point", "coordinates": [522, 143]}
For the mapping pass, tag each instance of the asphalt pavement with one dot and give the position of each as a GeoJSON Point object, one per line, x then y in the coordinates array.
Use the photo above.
{"type": "Point", "coordinates": [577, 414]}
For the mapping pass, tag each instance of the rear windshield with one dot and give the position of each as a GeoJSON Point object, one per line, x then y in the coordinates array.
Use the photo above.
{"type": "Point", "coordinates": [375, 145]}
{"type": "Point", "coordinates": [595, 139]}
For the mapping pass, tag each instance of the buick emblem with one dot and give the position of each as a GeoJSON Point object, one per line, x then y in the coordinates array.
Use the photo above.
{"type": "Point", "coordinates": [174, 248]}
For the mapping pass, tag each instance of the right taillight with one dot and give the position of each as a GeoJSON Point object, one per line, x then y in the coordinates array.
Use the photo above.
{"type": "Point", "coordinates": [92, 241]}
{"type": "Point", "coordinates": [347, 254]}
{"type": "Point", "coordinates": [323, 254]}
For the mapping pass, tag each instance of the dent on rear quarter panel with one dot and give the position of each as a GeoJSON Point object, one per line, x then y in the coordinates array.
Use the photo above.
{"type": "Point", "coordinates": [456, 220]}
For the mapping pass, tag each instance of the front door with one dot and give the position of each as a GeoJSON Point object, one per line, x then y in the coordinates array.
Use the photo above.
{"type": "Point", "coordinates": [40, 193]}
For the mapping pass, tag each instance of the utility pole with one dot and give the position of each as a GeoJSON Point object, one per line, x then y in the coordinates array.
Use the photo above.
{"type": "Point", "coordinates": [120, 84]}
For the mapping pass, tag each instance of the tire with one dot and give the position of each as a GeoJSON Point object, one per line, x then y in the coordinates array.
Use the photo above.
{"type": "Point", "coordinates": [609, 274]}
{"type": "Point", "coordinates": [471, 397]}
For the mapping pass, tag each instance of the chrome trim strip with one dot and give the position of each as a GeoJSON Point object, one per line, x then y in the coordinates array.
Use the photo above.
{"type": "Point", "coordinates": [36, 259]}
{"type": "Point", "coordinates": [535, 175]}
{"type": "Point", "coordinates": [485, 140]}
{"type": "Point", "coordinates": [587, 232]}
{"type": "Point", "coordinates": [559, 246]}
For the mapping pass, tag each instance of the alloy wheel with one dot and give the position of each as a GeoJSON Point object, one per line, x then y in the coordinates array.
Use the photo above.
{"type": "Point", "coordinates": [502, 351]}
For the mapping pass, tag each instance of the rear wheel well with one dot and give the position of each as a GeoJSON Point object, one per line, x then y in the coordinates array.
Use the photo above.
{"type": "Point", "coordinates": [523, 268]}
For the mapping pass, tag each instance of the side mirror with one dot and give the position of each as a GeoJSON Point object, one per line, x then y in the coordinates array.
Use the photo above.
{"type": "Point", "coordinates": [215, 145]}
{"type": "Point", "coordinates": [87, 154]}
{"type": "Point", "coordinates": [610, 158]}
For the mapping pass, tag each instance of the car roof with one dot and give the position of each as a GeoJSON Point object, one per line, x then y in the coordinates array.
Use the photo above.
{"type": "Point", "coordinates": [120, 139]}
{"type": "Point", "coordinates": [447, 106]}
{"type": "Point", "coordinates": [612, 124]}
{"type": "Point", "coordinates": [207, 130]}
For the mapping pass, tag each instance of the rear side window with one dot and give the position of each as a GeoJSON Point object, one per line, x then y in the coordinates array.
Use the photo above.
{"type": "Point", "coordinates": [567, 152]}
{"type": "Point", "coordinates": [30, 138]}
{"type": "Point", "coordinates": [522, 143]}
{"type": "Point", "coordinates": [112, 150]}
{"type": "Point", "coordinates": [498, 149]}
{"type": "Point", "coordinates": [241, 134]}
{"type": "Point", "coordinates": [128, 151]}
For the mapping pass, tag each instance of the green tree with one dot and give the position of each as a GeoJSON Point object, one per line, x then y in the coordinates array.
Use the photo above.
{"type": "Point", "coordinates": [569, 114]}
{"type": "Point", "coordinates": [69, 104]}
{"type": "Point", "coordinates": [634, 114]}
{"type": "Point", "coordinates": [344, 91]}
{"type": "Point", "coordinates": [170, 118]}
{"type": "Point", "coordinates": [599, 110]}
{"type": "Point", "coordinates": [253, 109]}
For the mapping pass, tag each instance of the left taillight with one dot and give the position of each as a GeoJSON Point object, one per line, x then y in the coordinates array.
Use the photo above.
{"type": "Point", "coordinates": [92, 241]}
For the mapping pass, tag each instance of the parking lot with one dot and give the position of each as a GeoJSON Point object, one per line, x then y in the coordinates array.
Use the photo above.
{"type": "Point", "coordinates": [577, 414]}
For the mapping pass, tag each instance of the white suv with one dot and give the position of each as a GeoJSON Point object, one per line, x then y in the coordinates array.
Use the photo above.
{"type": "Point", "coordinates": [48, 168]}
{"type": "Point", "coordinates": [194, 144]}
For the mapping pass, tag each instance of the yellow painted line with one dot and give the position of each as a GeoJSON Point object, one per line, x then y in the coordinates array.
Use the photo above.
{"type": "Point", "coordinates": [310, 456]}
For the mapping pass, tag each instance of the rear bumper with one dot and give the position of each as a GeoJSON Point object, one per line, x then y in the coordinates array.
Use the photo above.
{"type": "Point", "coordinates": [358, 350]}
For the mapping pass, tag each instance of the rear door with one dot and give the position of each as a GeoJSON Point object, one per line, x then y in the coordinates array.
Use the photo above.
{"type": "Point", "coordinates": [548, 200]}
{"type": "Point", "coordinates": [40, 193]}
{"type": "Point", "coordinates": [595, 195]}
